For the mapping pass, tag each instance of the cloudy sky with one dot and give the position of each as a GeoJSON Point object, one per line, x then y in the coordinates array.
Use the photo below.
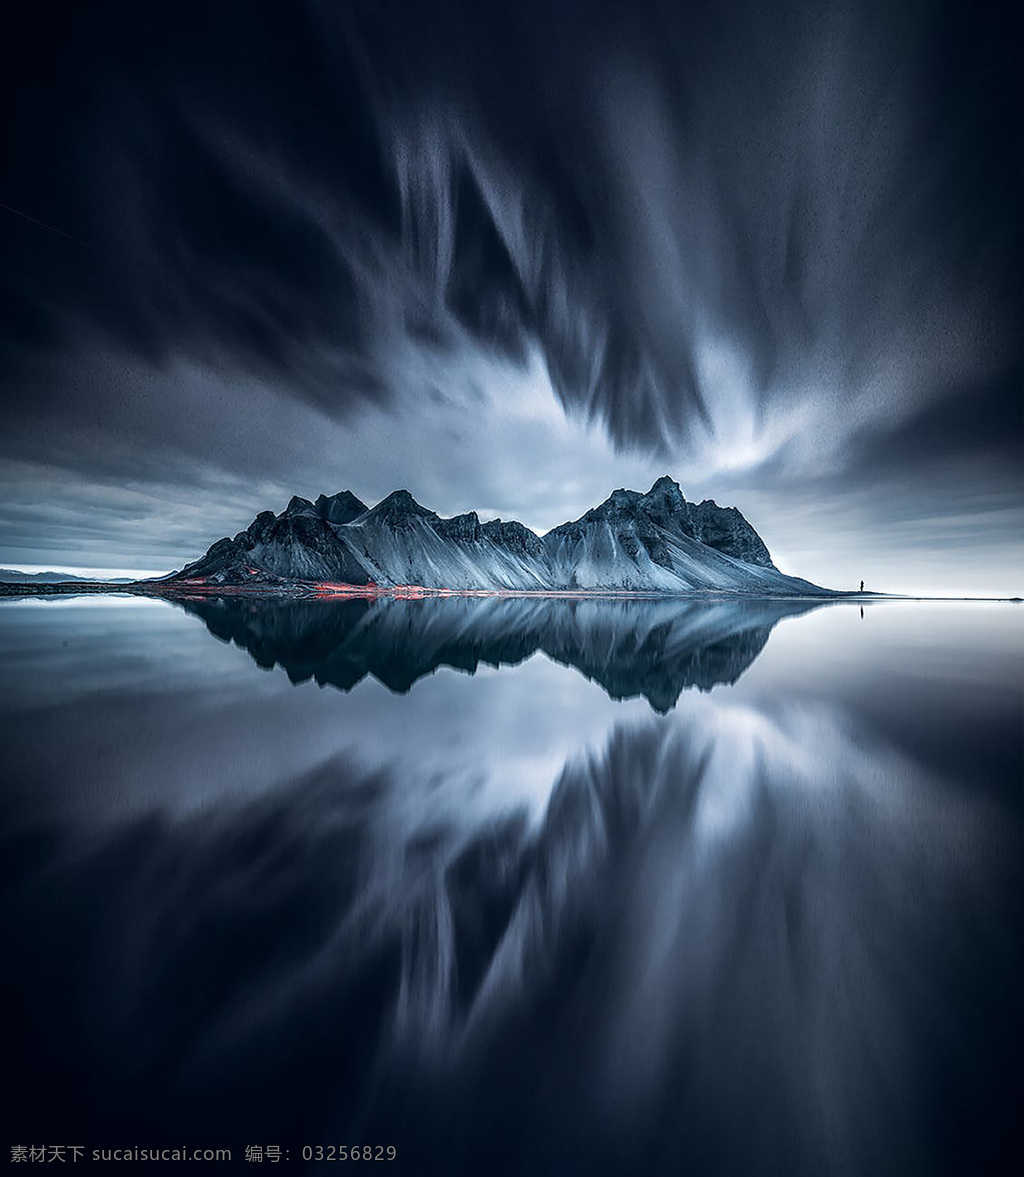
{"type": "Point", "coordinates": [512, 256]}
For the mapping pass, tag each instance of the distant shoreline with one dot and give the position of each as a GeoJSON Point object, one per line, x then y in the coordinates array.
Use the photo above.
{"type": "Point", "coordinates": [314, 591]}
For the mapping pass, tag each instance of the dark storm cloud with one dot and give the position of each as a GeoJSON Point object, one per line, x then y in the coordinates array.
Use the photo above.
{"type": "Point", "coordinates": [828, 187]}
{"type": "Point", "coordinates": [981, 422]}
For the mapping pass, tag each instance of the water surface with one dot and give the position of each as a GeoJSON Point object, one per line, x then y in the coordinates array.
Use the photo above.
{"type": "Point", "coordinates": [594, 886]}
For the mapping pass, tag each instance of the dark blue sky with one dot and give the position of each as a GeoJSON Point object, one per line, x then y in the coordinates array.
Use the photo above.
{"type": "Point", "coordinates": [512, 256]}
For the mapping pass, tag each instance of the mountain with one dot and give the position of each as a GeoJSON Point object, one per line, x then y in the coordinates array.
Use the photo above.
{"type": "Point", "coordinates": [13, 576]}
{"type": "Point", "coordinates": [650, 648]}
{"type": "Point", "coordinates": [653, 542]}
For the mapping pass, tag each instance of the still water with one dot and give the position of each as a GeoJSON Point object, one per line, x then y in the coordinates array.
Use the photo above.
{"type": "Point", "coordinates": [534, 886]}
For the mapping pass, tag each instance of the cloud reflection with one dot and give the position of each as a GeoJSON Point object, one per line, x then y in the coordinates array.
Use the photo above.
{"type": "Point", "coordinates": [734, 914]}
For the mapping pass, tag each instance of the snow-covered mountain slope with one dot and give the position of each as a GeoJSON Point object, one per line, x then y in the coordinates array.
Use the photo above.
{"type": "Point", "coordinates": [653, 542]}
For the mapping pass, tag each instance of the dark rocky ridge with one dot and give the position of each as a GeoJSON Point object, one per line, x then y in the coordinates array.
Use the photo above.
{"type": "Point", "coordinates": [631, 542]}
{"type": "Point", "coordinates": [664, 508]}
{"type": "Point", "coordinates": [514, 536]}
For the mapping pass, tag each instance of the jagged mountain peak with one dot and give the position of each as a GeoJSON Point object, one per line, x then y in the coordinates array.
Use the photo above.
{"type": "Point", "coordinates": [342, 507]}
{"type": "Point", "coordinates": [665, 498]}
{"type": "Point", "coordinates": [297, 505]}
{"type": "Point", "coordinates": [513, 536]}
{"type": "Point", "coordinates": [665, 486]}
{"type": "Point", "coordinates": [623, 499]}
{"type": "Point", "coordinates": [400, 504]}
{"type": "Point", "coordinates": [461, 527]}
{"type": "Point", "coordinates": [338, 508]}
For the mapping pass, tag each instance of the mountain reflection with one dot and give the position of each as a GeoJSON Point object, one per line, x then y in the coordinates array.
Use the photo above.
{"type": "Point", "coordinates": [653, 648]}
